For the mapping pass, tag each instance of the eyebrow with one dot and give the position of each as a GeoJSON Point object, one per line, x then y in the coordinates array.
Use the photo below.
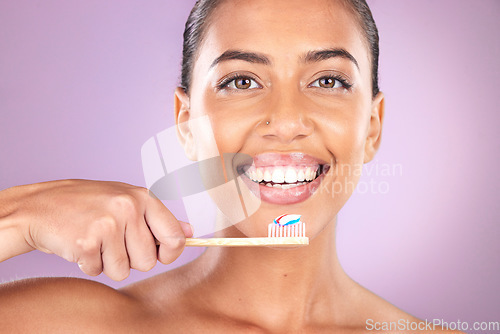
{"type": "Point", "coordinates": [258, 58]}
{"type": "Point", "coordinates": [250, 57]}
{"type": "Point", "coordinates": [319, 55]}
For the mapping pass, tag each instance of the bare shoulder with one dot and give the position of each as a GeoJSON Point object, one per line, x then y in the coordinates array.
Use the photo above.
{"type": "Point", "coordinates": [383, 317]}
{"type": "Point", "coordinates": [177, 302]}
{"type": "Point", "coordinates": [377, 315]}
{"type": "Point", "coordinates": [53, 305]}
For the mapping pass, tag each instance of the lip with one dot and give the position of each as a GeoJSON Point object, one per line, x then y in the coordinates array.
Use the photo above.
{"type": "Point", "coordinates": [281, 196]}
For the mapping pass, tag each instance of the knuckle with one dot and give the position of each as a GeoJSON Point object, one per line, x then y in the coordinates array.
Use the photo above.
{"type": "Point", "coordinates": [88, 246]}
{"type": "Point", "coordinates": [106, 224]}
{"type": "Point", "coordinates": [142, 191]}
{"type": "Point", "coordinates": [125, 203]}
{"type": "Point", "coordinates": [148, 196]}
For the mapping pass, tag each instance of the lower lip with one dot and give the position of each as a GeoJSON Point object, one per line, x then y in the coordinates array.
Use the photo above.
{"type": "Point", "coordinates": [283, 196]}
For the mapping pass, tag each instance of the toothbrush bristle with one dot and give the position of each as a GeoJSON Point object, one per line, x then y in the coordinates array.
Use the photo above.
{"type": "Point", "coordinates": [291, 231]}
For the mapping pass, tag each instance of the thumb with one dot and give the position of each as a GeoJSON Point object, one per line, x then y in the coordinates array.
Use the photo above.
{"type": "Point", "coordinates": [187, 229]}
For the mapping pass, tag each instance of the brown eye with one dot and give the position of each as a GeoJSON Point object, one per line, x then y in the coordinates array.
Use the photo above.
{"type": "Point", "coordinates": [239, 83]}
{"type": "Point", "coordinates": [327, 82]}
{"type": "Point", "coordinates": [242, 83]}
{"type": "Point", "coordinates": [330, 83]}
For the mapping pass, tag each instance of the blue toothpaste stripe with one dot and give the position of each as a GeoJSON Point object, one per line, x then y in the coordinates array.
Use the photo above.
{"type": "Point", "coordinates": [291, 222]}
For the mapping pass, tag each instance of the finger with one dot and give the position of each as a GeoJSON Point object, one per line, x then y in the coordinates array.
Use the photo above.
{"type": "Point", "coordinates": [89, 259]}
{"type": "Point", "coordinates": [187, 229]}
{"type": "Point", "coordinates": [167, 230]}
{"type": "Point", "coordinates": [115, 260]}
{"type": "Point", "coordinates": [140, 246]}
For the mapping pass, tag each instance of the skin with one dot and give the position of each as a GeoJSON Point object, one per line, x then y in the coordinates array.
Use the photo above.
{"type": "Point", "coordinates": [335, 125]}
{"type": "Point", "coordinates": [261, 290]}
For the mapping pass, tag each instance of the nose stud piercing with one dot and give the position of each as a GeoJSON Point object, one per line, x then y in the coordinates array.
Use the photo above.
{"type": "Point", "coordinates": [267, 123]}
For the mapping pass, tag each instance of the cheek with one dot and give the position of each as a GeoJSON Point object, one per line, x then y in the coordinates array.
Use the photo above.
{"type": "Point", "coordinates": [204, 138]}
{"type": "Point", "coordinates": [229, 136]}
{"type": "Point", "coordinates": [345, 134]}
{"type": "Point", "coordinates": [351, 144]}
{"type": "Point", "coordinates": [232, 122]}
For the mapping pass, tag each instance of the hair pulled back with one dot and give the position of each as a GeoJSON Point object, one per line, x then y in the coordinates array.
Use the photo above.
{"type": "Point", "coordinates": [196, 25]}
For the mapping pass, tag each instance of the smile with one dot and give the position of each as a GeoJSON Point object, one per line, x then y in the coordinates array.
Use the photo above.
{"type": "Point", "coordinates": [284, 178]}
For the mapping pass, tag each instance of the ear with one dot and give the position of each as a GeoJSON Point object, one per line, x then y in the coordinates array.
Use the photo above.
{"type": "Point", "coordinates": [375, 128]}
{"type": "Point", "coordinates": [182, 116]}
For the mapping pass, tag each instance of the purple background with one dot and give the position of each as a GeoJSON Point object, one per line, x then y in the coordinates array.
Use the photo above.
{"type": "Point", "coordinates": [83, 84]}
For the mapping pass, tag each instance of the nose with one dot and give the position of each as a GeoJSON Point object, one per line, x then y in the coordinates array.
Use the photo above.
{"type": "Point", "coordinates": [287, 119]}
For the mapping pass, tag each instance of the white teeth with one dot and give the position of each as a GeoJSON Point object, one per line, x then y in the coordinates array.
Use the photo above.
{"type": "Point", "coordinates": [283, 186]}
{"type": "Point", "coordinates": [278, 175]}
{"type": "Point", "coordinates": [308, 174]}
{"type": "Point", "coordinates": [259, 175]}
{"type": "Point", "coordinates": [283, 174]}
{"type": "Point", "coordinates": [267, 176]}
{"type": "Point", "coordinates": [290, 175]}
{"type": "Point", "coordinates": [301, 176]}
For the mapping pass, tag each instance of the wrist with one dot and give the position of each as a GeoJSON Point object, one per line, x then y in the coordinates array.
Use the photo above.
{"type": "Point", "coordinates": [13, 233]}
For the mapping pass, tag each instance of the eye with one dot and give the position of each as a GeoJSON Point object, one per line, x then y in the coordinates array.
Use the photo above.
{"type": "Point", "coordinates": [239, 83]}
{"type": "Point", "coordinates": [331, 82]}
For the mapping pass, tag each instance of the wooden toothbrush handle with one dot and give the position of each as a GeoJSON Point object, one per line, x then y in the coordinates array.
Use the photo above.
{"type": "Point", "coordinates": [246, 242]}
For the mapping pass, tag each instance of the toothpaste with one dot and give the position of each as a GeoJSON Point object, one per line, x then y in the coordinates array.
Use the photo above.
{"type": "Point", "coordinates": [287, 220]}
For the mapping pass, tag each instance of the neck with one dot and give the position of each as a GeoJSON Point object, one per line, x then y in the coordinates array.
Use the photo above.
{"type": "Point", "coordinates": [277, 285]}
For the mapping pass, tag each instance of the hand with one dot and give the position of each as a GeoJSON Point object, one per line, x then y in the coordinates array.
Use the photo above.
{"type": "Point", "coordinates": [103, 226]}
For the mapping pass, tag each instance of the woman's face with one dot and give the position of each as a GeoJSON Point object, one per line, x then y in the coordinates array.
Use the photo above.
{"type": "Point", "coordinates": [304, 67]}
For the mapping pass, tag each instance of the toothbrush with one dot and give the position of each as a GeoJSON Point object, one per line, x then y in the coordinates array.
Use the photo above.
{"type": "Point", "coordinates": [285, 230]}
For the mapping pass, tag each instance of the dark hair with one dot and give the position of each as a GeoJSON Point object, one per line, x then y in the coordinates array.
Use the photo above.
{"type": "Point", "coordinates": [198, 19]}
{"type": "Point", "coordinates": [365, 19]}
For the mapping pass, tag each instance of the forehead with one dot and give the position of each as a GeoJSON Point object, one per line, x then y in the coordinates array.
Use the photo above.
{"type": "Point", "coordinates": [282, 28]}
